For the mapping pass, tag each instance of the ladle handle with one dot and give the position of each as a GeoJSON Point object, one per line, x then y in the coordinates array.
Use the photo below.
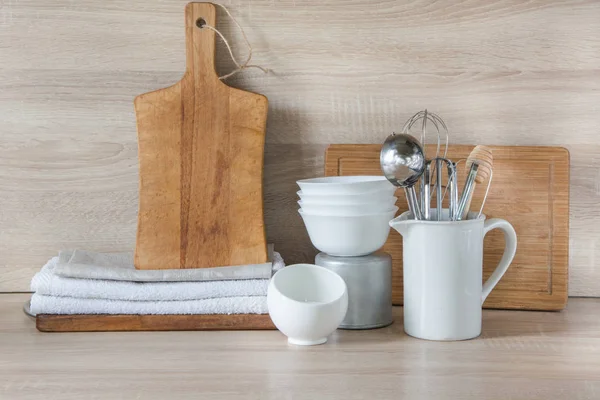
{"type": "Point", "coordinates": [413, 204]}
{"type": "Point", "coordinates": [452, 183]}
{"type": "Point", "coordinates": [425, 192]}
{"type": "Point", "coordinates": [438, 183]}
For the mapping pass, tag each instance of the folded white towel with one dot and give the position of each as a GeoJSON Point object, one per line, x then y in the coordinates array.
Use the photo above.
{"type": "Point", "coordinates": [119, 267]}
{"type": "Point", "coordinates": [41, 304]}
{"type": "Point", "coordinates": [46, 282]}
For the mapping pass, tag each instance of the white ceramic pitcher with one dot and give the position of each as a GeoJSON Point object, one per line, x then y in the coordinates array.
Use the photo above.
{"type": "Point", "coordinates": [443, 268]}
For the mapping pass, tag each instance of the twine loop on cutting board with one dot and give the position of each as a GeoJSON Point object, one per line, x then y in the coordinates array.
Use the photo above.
{"type": "Point", "coordinates": [201, 23]}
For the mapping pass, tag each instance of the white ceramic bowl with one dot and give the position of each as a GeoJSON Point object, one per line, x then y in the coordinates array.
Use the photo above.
{"type": "Point", "coordinates": [348, 236]}
{"type": "Point", "coordinates": [382, 197]}
{"type": "Point", "coordinates": [346, 185]}
{"type": "Point", "coordinates": [345, 210]}
{"type": "Point", "coordinates": [307, 303]}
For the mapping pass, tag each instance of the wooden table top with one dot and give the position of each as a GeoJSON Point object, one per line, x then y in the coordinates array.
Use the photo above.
{"type": "Point", "coordinates": [520, 355]}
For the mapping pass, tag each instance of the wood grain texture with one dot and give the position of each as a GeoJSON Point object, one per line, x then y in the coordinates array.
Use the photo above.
{"type": "Point", "coordinates": [201, 147]}
{"type": "Point", "coordinates": [520, 355]}
{"type": "Point", "coordinates": [116, 323]}
{"type": "Point", "coordinates": [529, 189]}
{"type": "Point", "coordinates": [503, 72]}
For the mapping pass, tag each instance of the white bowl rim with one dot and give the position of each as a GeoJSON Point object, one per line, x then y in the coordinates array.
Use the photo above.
{"type": "Point", "coordinates": [303, 212]}
{"type": "Point", "coordinates": [391, 206]}
{"type": "Point", "coordinates": [300, 193]}
{"type": "Point", "coordinates": [314, 267]}
{"type": "Point", "coordinates": [344, 180]}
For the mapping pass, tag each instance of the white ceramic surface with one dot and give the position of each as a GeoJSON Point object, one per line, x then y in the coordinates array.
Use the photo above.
{"type": "Point", "coordinates": [443, 268]}
{"type": "Point", "coordinates": [345, 210]}
{"type": "Point", "coordinates": [382, 197]}
{"type": "Point", "coordinates": [307, 303]}
{"type": "Point", "coordinates": [346, 185]}
{"type": "Point", "coordinates": [348, 236]}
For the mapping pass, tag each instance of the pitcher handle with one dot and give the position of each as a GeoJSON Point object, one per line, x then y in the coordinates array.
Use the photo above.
{"type": "Point", "coordinates": [510, 248]}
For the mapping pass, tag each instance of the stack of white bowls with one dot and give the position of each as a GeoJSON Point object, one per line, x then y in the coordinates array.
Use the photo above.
{"type": "Point", "coordinates": [347, 216]}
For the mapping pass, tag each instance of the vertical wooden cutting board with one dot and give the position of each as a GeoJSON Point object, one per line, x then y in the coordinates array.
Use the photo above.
{"type": "Point", "coordinates": [201, 147]}
{"type": "Point", "coordinates": [530, 189]}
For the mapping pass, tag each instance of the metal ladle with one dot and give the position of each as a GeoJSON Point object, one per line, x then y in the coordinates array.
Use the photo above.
{"type": "Point", "coordinates": [403, 162]}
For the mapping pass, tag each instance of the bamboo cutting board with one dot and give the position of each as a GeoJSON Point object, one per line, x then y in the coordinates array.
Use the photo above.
{"type": "Point", "coordinates": [530, 189]}
{"type": "Point", "coordinates": [201, 147]}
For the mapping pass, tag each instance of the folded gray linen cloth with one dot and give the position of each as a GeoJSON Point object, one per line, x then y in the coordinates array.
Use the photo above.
{"type": "Point", "coordinates": [119, 267]}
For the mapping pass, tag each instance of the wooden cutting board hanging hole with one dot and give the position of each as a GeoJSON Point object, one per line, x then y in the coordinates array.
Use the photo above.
{"type": "Point", "coordinates": [201, 147]}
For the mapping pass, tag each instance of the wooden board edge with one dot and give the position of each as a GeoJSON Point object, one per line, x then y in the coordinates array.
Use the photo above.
{"type": "Point", "coordinates": [122, 322]}
{"type": "Point", "coordinates": [560, 240]}
{"type": "Point", "coordinates": [334, 151]}
{"type": "Point", "coordinates": [531, 302]}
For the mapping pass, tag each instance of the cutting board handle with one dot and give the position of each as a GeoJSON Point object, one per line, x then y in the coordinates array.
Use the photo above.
{"type": "Point", "coordinates": [200, 42]}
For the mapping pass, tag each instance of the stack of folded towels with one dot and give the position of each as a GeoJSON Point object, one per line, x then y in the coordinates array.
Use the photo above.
{"type": "Point", "coordinates": [81, 282]}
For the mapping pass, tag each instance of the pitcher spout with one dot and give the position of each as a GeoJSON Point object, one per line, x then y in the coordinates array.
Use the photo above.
{"type": "Point", "coordinates": [402, 223]}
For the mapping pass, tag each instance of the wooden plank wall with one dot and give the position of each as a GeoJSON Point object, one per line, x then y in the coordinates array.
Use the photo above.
{"type": "Point", "coordinates": [343, 71]}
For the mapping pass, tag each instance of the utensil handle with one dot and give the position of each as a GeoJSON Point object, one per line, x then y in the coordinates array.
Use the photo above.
{"type": "Point", "coordinates": [413, 204]}
{"type": "Point", "coordinates": [467, 192]}
{"type": "Point", "coordinates": [453, 201]}
{"type": "Point", "coordinates": [426, 192]}
{"type": "Point", "coordinates": [438, 183]}
{"type": "Point", "coordinates": [468, 203]}
{"type": "Point", "coordinates": [510, 248]}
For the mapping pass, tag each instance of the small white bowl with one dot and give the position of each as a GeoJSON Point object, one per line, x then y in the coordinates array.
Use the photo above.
{"type": "Point", "coordinates": [307, 303]}
{"type": "Point", "coordinates": [346, 185]}
{"type": "Point", "coordinates": [382, 197]}
{"type": "Point", "coordinates": [345, 210]}
{"type": "Point", "coordinates": [348, 236]}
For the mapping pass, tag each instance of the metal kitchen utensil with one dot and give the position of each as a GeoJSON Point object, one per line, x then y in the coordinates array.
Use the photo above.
{"type": "Point", "coordinates": [442, 130]}
{"type": "Point", "coordinates": [402, 161]}
{"type": "Point", "coordinates": [467, 190]}
{"type": "Point", "coordinates": [426, 191]}
{"type": "Point", "coordinates": [369, 282]}
{"type": "Point", "coordinates": [438, 187]}
{"type": "Point", "coordinates": [394, 164]}
{"type": "Point", "coordinates": [480, 164]}
{"type": "Point", "coordinates": [453, 185]}
{"type": "Point", "coordinates": [425, 116]}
